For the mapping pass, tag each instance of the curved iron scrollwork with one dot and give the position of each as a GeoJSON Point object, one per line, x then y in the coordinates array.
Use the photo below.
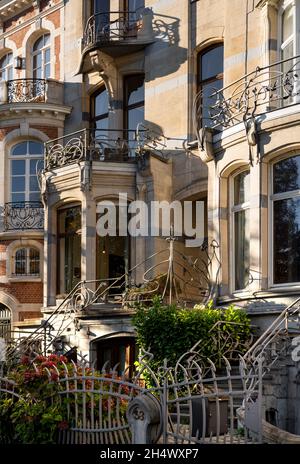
{"type": "Point", "coordinates": [100, 28]}
{"type": "Point", "coordinates": [263, 90]}
{"type": "Point", "coordinates": [26, 90]}
{"type": "Point", "coordinates": [24, 215]}
{"type": "Point", "coordinates": [59, 155]}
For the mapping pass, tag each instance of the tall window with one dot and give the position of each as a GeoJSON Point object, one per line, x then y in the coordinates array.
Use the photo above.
{"type": "Point", "coordinates": [286, 221]}
{"type": "Point", "coordinates": [240, 224]}
{"type": "Point", "coordinates": [42, 58]}
{"type": "Point", "coordinates": [134, 8]}
{"type": "Point", "coordinates": [6, 67]}
{"type": "Point", "coordinates": [27, 262]}
{"type": "Point", "coordinates": [26, 160]}
{"type": "Point", "coordinates": [134, 101]}
{"type": "Point", "coordinates": [69, 248]}
{"type": "Point", "coordinates": [99, 110]}
{"type": "Point", "coordinates": [101, 8]}
{"type": "Point", "coordinates": [210, 79]}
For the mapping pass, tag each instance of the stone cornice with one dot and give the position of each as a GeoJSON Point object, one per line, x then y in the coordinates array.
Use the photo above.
{"type": "Point", "coordinates": [32, 109]}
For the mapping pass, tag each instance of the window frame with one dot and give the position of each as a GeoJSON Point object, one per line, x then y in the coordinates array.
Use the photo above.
{"type": "Point", "coordinates": [101, 117]}
{"type": "Point", "coordinates": [27, 262]}
{"type": "Point", "coordinates": [27, 158]}
{"type": "Point", "coordinates": [8, 68]}
{"type": "Point", "coordinates": [233, 210]}
{"type": "Point", "coordinates": [272, 197]}
{"type": "Point", "coordinates": [200, 83]}
{"type": "Point", "coordinates": [42, 51]}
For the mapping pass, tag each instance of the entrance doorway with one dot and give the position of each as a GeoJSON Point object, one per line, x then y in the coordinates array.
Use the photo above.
{"type": "Point", "coordinates": [119, 351]}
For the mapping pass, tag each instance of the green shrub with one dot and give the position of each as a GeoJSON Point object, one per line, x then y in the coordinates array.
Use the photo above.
{"type": "Point", "coordinates": [169, 331]}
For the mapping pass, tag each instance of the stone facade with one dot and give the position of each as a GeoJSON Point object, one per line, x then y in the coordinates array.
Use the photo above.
{"type": "Point", "coordinates": [166, 41]}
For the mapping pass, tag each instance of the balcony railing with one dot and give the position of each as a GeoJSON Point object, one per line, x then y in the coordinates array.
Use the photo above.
{"type": "Point", "coordinates": [26, 90]}
{"type": "Point", "coordinates": [92, 145]}
{"type": "Point", "coordinates": [28, 215]}
{"type": "Point", "coordinates": [31, 91]}
{"type": "Point", "coordinates": [263, 90]}
{"type": "Point", "coordinates": [111, 26]}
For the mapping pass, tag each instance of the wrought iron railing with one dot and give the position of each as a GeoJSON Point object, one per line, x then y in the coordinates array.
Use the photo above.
{"type": "Point", "coordinates": [26, 90]}
{"type": "Point", "coordinates": [111, 27]}
{"type": "Point", "coordinates": [269, 344]}
{"type": "Point", "coordinates": [102, 145]}
{"type": "Point", "coordinates": [263, 90]}
{"type": "Point", "coordinates": [23, 215]}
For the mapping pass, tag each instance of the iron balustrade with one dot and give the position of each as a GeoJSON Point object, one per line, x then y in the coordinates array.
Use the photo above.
{"type": "Point", "coordinates": [265, 89]}
{"type": "Point", "coordinates": [111, 26]}
{"type": "Point", "coordinates": [26, 215]}
{"type": "Point", "coordinates": [92, 145]}
{"type": "Point", "coordinates": [26, 90]}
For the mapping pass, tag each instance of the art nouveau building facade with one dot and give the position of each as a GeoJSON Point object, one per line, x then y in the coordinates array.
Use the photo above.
{"type": "Point", "coordinates": [149, 99]}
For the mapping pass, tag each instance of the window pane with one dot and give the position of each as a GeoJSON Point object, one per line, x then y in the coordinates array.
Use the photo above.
{"type": "Point", "coordinates": [37, 60]}
{"type": "Point", "coordinates": [18, 184]}
{"type": "Point", "coordinates": [33, 184]}
{"type": "Point", "coordinates": [242, 261]}
{"type": "Point", "coordinates": [18, 167]}
{"type": "Point", "coordinates": [287, 23]}
{"type": "Point", "coordinates": [18, 197]}
{"type": "Point", "coordinates": [242, 188]}
{"type": "Point", "coordinates": [286, 175]}
{"type": "Point", "coordinates": [46, 39]}
{"type": "Point", "coordinates": [36, 148]}
{"type": "Point", "coordinates": [20, 261]}
{"type": "Point", "coordinates": [47, 55]}
{"type": "Point", "coordinates": [102, 124]}
{"type": "Point", "coordinates": [287, 241]}
{"type": "Point", "coordinates": [101, 103]}
{"type": "Point", "coordinates": [47, 71]}
{"type": "Point", "coordinates": [135, 89]}
{"type": "Point", "coordinates": [34, 261]}
{"type": "Point", "coordinates": [20, 149]}
{"type": "Point", "coordinates": [211, 63]}
{"type": "Point", "coordinates": [35, 196]}
{"type": "Point", "coordinates": [39, 44]}
{"type": "Point", "coordinates": [36, 165]}
{"type": "Point", "coordinates": [209, 100]}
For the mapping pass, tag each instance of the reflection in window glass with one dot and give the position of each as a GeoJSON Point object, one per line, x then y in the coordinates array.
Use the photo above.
{"type": "Point", "coordinates": [25, 163]}
{"type": "Point", "coordinates": [210, 79]}
{"type": "Point", "coordinates": [6, 67]}
{"type": "Point", "coordinates": [286, 221]}
{"type": "Point", "coordinates": [241, 218]}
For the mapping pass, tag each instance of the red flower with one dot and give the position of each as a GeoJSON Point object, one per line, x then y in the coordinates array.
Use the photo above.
{"type": "Point", "coordinates": [25, 360]}
{"type": "Point", "coordinates": [63, 425]}
{"type": "Point", "coordinates": [63, 359]}
{"type": "Point", "coordinates": [40, 358]}
{"type": "Point", "coordinates": [48, 364]}
{"type": "Point", "coordinates": [54, 376]}
{"type": "Point", "coordinates": [53, 357]}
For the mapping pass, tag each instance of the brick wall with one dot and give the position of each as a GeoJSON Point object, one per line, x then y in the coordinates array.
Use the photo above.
{"type": "Point", "coordinates": [25, 292]}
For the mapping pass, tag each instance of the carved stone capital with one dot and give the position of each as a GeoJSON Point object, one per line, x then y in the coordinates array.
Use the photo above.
{"type": "Point", "coordinates": [205, 138]}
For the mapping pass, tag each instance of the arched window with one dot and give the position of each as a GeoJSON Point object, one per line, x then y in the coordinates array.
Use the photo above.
{"type": "Point", "coordinates": [285, 199]}
{"type": "Point", "coordinates": [26, 160]}
{"type": "Point", "coordinates": [41, 58]}
{"type": "Point", "coordinates": [27, 262]}
{"type": "Point", "coordinates": [210, 79]}
{"type": "Point", "coordinates": [6, 67]}
{"type": "Point", "coordinates": [240, 209]}
{"type": "Point", "coordinates": [99, 110]}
